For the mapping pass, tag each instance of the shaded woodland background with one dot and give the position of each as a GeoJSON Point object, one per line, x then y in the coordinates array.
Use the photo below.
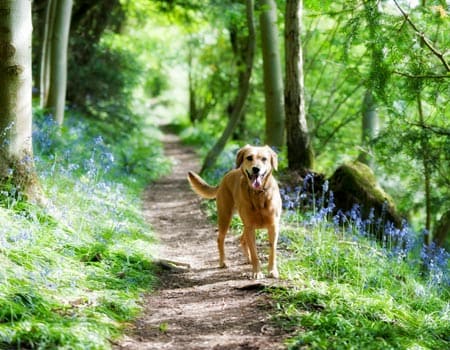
{"type": "Point", "coordinates": [353, 95]}
{"type": "Point", "coordinates": [376, 81]}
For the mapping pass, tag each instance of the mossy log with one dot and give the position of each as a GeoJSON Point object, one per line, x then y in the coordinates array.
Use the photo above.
{"type": "Point", "coordinates": [355, 183]}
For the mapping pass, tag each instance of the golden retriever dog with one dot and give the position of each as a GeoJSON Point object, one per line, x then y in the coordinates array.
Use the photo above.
{"type": "Point", "coordinates": [252, 191]}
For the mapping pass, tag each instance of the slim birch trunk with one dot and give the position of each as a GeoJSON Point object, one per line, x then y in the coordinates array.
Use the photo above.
{"type": "Point", "coordinates": [58, 60]}
{"type": "Point", "coordinates": [370, 126]}
{"type": "Point", "coordinates": [273, 79]}
{"type": "Point", "coordinates": [370, 120]}
{"type": "Point", "coordinates": [44, 77]}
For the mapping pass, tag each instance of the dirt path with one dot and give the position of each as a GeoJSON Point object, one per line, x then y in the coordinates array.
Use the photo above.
{"type": "Point", "coordinates": [200, 307]}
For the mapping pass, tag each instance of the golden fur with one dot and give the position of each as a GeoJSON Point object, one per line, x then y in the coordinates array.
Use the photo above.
{"type": "Point", "coordinates": [253, 192]}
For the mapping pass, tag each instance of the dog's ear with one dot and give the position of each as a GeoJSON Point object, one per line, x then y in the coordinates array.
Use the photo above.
{"type": "Point", "coordinates": [273, 158]}
{"type": "Point", "coordinates": [240, 155]}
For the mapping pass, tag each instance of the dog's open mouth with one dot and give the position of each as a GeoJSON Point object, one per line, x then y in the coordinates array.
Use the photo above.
{"type": "Point", "coordinates": [256, 180]}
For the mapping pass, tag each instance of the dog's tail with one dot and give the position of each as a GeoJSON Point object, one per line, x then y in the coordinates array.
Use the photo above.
{"type": "Point", "coordinates": [201, 187]}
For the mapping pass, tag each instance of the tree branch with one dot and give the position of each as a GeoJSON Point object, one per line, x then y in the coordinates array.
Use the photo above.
{"type": "Point", "coordinates": [424, 39]}
{"type": "Point", "coordinates": [433, 128]}
{"type": "Point", "coordinates": [422, 76]}
{"type": "Point", "coordinates": [335, 130]}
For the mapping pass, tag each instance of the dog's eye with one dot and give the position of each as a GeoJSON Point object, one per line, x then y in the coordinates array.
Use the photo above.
{"type": "Point", "coordinates": [264, 159]}
{"type": "Point", "coordinates": [249, 158]}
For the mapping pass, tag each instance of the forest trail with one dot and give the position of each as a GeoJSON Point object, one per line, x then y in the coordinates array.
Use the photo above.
{"type": "Point", "coordinates": [200, 306]}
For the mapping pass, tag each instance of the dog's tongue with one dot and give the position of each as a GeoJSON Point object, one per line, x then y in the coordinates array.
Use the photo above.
{"type": "Point", "coordinates": [256, 181]}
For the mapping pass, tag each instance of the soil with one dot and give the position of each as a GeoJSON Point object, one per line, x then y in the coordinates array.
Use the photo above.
{"type": "Point", "coordinates": [197, 305]}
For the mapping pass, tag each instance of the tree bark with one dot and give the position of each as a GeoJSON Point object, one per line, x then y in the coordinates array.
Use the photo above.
{"type": "Point", "coordinates": [58, 45]}
{"type": "Point", "coordinates": [299, 147]}
{"type": "Point", "coordinates": [441, 232]}
{"type": "Point", "coordinates": [44, 77]}
{"type": "Point", "coordinates": [192, 95]}
{"type": "Point", "coordinates": [425, 158]}
{"type": "Point", "coordinates": [369, 128]}
{"type": "Point", "coordinates": [375, 82]}
{"type": "Point", "coordinates": [273, 80]}
{"type": "Point", "coordinates": [426, 172]}
{"type": "Point", "coordinates": [243, 89]}
{"type": "Point", "coordinates": [16, 153]}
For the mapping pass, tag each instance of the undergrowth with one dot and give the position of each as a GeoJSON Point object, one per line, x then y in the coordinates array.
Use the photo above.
{"type": "Point", "coordinates": [347, 290]}
{"type": "Point", "coordinates": [71, 273]}
{"type": "Point", "coordinates": [351, 291]}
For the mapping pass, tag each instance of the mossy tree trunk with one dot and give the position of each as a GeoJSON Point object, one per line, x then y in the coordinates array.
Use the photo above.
{"type": "Point", "coordinates": [16, 153]}
{"type": "Point", "coordinates": [299, 148]}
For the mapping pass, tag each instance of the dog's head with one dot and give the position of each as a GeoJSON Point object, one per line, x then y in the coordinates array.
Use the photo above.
{"type": "Point", "coordinates": [257, 164]}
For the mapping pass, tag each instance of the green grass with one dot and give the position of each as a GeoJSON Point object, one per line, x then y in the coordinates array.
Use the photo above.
{"type": "Point", "coordinates": [351, 294]}
{"type": "Point", "coordinates": [71, 274]}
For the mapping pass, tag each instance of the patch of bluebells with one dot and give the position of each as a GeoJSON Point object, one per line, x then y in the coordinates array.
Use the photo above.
{"type": "Point", "coordinates": [290, 197]}
{"type": "Point", "coordinates": [45, 131]}
{"type": "Point", "coordinates": [303, 198]}
{"type": "Point", "coordinates": [398, 243]}
{"type": "Point", "coordinates": [435, 259]}
{"type": "Point", "coordinates": [100, 161]}
{"type": "Point", "coordinates": [295, 198]}
{"type": "Point", "coordinates": [66, 154]}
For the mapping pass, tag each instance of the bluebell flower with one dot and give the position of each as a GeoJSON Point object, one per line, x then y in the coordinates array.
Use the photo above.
{"type": "Point", "coordinates": [325, 187]}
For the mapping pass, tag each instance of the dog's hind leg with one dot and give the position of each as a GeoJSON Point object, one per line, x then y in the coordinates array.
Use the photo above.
{"type": "Point", "coordinates": [224, 220]}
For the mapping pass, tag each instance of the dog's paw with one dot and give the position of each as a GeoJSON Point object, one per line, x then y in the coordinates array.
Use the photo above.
{"type": "Point", "coordinates": [273, 274]}
{"type": "Point", "coordinates": [257, 275]}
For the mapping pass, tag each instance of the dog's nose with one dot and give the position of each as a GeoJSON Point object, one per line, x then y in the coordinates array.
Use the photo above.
{"type": "Point", "coordinates": [255, 170]}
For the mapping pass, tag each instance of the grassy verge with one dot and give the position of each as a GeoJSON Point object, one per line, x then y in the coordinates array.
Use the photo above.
{"type": "Point", "coordinates": [352, 293]}
{"type": "Point", "coordinates": [72, 273]}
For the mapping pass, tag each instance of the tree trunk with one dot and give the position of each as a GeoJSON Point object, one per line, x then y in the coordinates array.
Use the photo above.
{"type": "Point", "coordinates": [299, 148]}
{"type": "Point", "coordinates": [16, 153]}
{"type": "Point", "coordinates": [425, 161]}
{"type": "Point", "coordinates": [44, 83]}
{"type": "Point", "coordinates": [426, 172]}
{"type": "Point", "coordinates": [58, 59]}
{"type": "Point", "coordinates": [369, 128]}
{"type": "Point", "coordinates": [441, 232]}
{"type": "Point", "coordinates": [243, 89]}
{"type": "Point", "coordinates": [273, 80]}
{"type": "Point", "coordinates": [193, 110]}
{"type": "Point", "coordinates": [375, 82]}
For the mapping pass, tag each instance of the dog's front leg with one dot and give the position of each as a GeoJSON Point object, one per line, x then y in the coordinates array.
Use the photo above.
{"type": "Point", "coordinates": [245, 250]}
{"type": "Point", "coordinates": [273, 239]}
{"type": "Point", "coordinates": [250, 237]}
